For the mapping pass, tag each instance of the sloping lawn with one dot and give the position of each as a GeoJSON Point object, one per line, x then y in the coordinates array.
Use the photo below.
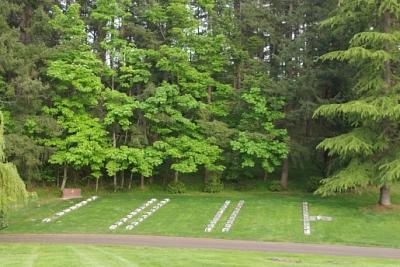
{"type": "Point", "coordinates": [265, 216]}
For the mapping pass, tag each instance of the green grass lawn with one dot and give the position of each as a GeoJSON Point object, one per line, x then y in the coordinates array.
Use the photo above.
{"type": "Point", "coordinates": [265, 216]}
{"type": "Point", "coordinates": [108, 256]}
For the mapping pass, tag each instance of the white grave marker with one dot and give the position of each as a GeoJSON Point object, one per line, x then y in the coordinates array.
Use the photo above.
{"type": "Point", "coordinates": [307, 219]}
{"type": "Point", "coordinates": [232, 218]}
{"type": "Point", "coordinates": [67, 210]}
{"type": "Point", "coordinates": [131, 214]}
{"type": "Point", "coordinates": [217, 216]}
{"type": "Point", "coordinates": [147, 214]}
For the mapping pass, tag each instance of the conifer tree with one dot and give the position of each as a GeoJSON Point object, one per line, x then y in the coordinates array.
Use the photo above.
{"type": "Point", "coordinates": [371, 150]}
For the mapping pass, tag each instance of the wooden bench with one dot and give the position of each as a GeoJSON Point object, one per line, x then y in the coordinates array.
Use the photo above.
{"type": "Point", "coordinates": [69, 193]}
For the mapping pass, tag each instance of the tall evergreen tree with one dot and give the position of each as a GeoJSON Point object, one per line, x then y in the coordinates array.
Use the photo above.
{"type": "Point", "coordinates": [370, 151]}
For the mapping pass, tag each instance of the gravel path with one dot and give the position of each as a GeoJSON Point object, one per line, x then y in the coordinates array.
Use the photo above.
{"type": "Point", "coordinates": [188, 242]}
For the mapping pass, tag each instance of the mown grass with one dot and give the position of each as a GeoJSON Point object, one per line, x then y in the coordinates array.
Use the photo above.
{"type": "Point", "coordinates": [16, 255]}
{"type": "Point", "coordinates": [265, 216]}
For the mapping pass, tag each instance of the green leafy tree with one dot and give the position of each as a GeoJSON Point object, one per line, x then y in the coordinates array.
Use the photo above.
{"type": "Point", "coordinates": [188, 154]}
{"type": "Point", "coordinates": [84, 146]}
{"type": "Point", "coordinates": [166, 109]}
{"type": "Point", "coordinates": [75, 71]}
{"type": "Point", "coordinates": [259, 141]}
{"type": "Point", "coordinates": [119, 112]}
{"type": "Point", "coordinates": [137, 160]}
{"type": "Point", "coordinates": [370, 150]}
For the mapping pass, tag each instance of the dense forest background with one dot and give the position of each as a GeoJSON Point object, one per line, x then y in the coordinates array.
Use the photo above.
{"type": "Point", "coordinates": [115, 91]}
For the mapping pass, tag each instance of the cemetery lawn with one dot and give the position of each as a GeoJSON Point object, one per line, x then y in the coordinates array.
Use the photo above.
{"type": "Point", "coordinates": [15, 255]}
{"type": "Point", "coordinates": [265, 216]}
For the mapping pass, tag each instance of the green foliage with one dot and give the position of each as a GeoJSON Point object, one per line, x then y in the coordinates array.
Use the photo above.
{"type": "Point", "coordinates": [176, 187]}
{"type": "Point", "coordinates": [83, 146]}
{"type": "Point", "coordinates": [275, 186]}
{"type": "Point", "coordinates": [313, 183]}
{"type": "Point", "coordinates": [69, 24]}
{"type": "Point", "coordinates": [119, 107]}
{"type": "Point", "coordinates": [362, 142]}
{"type": "Point", "coordinates": [12, 188]}
{"type": "Point", "coordinates": [135, 69]}
{"type": "Point", "coordinates": [124, 86]}
{"type": "Point", "coordinates": [107, 10]}
{"type": "Point", "coordinates": [137, 160]}
{"type": "Point", "coordinates": [166, 110]}
{"type": "Point", "coordinates": [189, 153]}
{"type": "Point", "coordinates": [391, 170]}
{"type": "Point", "coordinates": [2, 141]}
{"type": "Point", "coordinates": [245, 185]}
{"type": "Point", "coordinates": [83, 142]}
{"type": "Point", "coordinates": [214, 186]}
{"type": "Point", "coordinates": [355, 176]}
{"type": "Point", "coordinates": [260, 141]}
{"type": "Point", "coordinates": [368, 150]}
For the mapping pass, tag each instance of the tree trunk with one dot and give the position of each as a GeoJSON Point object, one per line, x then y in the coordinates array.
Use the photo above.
{"type": "Point", "coordinates": [64, 181]}
{"type": "Point", "coordinates": [285, 173]}
{"type": "Point", "coordinates": [176, 178]}
{"type": "Point", "coordinates": [115, 145]}
{"type": "Point", "coordinates": [206, 176]}
{"type": "Point", "coordinates": [122, 179]}
{"type": "Point", "coordinates": [58, 177]}
{"type": "Point", "coordinates": [384, 197]}
{"type": "Point", "coordinates": [142, 182]}
{"type": "Point", "coordinates": [130, 181]}
{"type": "Point", "coordinates": [97, 184]}
{"type": "Point", "coordinates": [265, 176]}
{"type": "Point", "coordinates": [29, 174]}
{"type": "Point", "coordinates": [115, 183]}
{"type": "Point", "coordinates": [3, 222]}
{"type": "Point", "coordinates": [26, 23]}
{"type": "Point", "coordinates": [209, 94]}
{"type": "Point", "coordinates": [237, 6]}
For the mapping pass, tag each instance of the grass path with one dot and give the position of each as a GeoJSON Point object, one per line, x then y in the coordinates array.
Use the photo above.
{"type": "Point", "coordinates": [186, 242]}
{"type": "Point", "coordinates": [30, 262]}
{"type": "Point", "coordinates": [117, 258]}
{"type": "Point", "coordinates": [14, 255]}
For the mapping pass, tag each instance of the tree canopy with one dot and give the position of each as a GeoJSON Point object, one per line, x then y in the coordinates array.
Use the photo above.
{"type": "Point", "coordinates": [227, 90]}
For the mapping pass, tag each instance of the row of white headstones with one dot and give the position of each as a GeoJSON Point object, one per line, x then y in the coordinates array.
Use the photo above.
{"type": "Point", "coordinates": [69, 209]}
{"type": "Point", "coordinates": [227, 227]}
{"type": "Point", "coordinates": [220, 212]}
{"type": "Point", "coordinates": [232, 218]}
{"type": "Point", "coordinates": [144, 215]}
{"type": "Point", "coordinates": [131, 214]}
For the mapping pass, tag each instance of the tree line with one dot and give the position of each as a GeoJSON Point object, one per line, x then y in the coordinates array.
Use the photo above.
{"type": "Point", "coordinates": [112, 90]}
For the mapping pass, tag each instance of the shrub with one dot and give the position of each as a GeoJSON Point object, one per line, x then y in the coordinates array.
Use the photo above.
{"type": "Point", "coordinates": [176, 187]}
{"type": "Point", "coordinates": [32, 196]}
{"type": "Point", "coordinates": [246, 185]}
{"type": "Point", "coordinates": [313, 183]}
{"type": "Point", "coordinates": [214, 186]}
{"type": "Point", "coordinates": [275, 186]}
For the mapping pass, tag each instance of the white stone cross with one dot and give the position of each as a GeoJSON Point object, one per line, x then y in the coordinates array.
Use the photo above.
{"type": "Point", "coordinates": [307, 219]}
